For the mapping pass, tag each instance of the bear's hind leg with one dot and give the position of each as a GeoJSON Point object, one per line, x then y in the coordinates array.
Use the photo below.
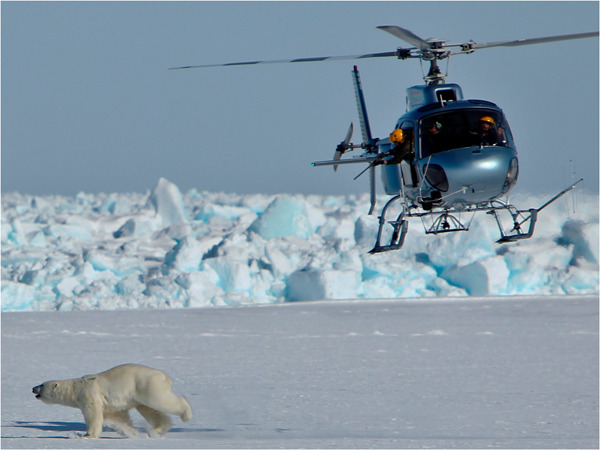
{"type": "Point", "coordinates": [169, 403]}
{"type": "Point", "coordinates": [159, 422]}
{"type": "Point", "coordinates": [159, 396]}
{"type": "Point", "coordinates": [186, 415]}
{"type": "Point", "coordinates": [120, 421]}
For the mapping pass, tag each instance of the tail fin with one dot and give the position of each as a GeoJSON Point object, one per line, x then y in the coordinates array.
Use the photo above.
{"type": "Point", "coordinates": [365, 127]}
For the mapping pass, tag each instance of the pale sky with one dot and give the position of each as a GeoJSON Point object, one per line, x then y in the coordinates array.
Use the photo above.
{"type": "Point", "coordinates": [88, 102]}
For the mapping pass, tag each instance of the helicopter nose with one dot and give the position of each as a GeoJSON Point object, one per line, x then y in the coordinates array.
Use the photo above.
{"type": "Point", "coordinates": [473, 177]}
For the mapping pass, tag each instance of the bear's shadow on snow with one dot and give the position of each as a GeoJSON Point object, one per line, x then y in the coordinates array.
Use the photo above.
{"type": "Point", "coordinates": [77, 426]}
{"type": "Point", "coordinates": [67, 427]}
{"type": "Point", "coordinates": [53, 426]}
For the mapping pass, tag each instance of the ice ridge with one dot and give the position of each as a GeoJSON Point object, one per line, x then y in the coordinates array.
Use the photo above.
{"type": "Point", "coordinates": [164, 249]}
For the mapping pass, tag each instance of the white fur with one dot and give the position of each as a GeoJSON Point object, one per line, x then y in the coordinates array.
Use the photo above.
{"type": "Point", "coordinates": [108, 396]}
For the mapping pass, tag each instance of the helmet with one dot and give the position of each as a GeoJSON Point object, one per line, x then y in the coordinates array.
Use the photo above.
{"type": "Point", "coordinates": [487, 119]}
{"type": "Point", "coordinates": [433, 124]}
{"type": "Point", "coordinates": [397, 136]}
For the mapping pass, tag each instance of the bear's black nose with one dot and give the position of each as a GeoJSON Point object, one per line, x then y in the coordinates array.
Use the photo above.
{"type": "Point", "coordinates": [37, 390]}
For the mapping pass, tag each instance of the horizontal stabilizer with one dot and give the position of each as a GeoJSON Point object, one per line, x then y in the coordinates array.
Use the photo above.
{"type": "Point", "coordinates": [333, 162]}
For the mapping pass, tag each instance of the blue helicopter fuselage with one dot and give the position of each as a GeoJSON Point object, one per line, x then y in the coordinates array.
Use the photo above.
{"type": "Point", "coordinates": [464, 153]}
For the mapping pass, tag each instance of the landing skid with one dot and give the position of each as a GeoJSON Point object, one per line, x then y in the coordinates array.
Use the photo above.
{"type": "Point", "coordinates": [521, 217]}
{"type": "Point", "coordinates": [400, 226]}
{"type": "Point", "coordinates": [447, 221]}
{"type": "Point", "coordinates": [443, 222]}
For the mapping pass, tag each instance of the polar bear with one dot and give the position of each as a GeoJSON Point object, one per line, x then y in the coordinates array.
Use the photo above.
{"type": "Point", "coordinates": [108, 396]}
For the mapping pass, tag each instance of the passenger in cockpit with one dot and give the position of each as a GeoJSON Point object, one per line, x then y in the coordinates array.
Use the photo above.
{"type": "Point", "coordinates": [433, 139]}
{"type": "Point", "coordinates": [402, 150]}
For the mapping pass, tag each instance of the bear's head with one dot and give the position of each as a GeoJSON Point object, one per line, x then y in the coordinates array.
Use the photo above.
{"type": "Point", "coordinates": [46, 392]}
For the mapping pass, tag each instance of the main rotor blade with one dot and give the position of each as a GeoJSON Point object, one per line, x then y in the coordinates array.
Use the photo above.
{"type": "Point", "coordinates": [540, 40]}
{"type": "Point", "coordinates": [406, 35]}
{"type": "Point", "coordinates": [297, 60]}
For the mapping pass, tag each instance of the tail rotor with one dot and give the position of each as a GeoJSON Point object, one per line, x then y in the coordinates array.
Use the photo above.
{"type": "Point", "coordinates": [343, 146]}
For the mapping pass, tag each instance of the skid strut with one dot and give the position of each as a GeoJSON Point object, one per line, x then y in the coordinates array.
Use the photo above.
{"type": "Point", "coordinates": [400, 226]}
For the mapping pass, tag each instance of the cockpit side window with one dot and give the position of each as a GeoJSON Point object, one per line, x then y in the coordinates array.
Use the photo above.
{"type": "Point", "coordinates": [463, 128]}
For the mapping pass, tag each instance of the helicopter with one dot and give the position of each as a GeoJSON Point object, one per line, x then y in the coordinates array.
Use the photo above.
{"type": "Point", "coordinates": [447, 158]}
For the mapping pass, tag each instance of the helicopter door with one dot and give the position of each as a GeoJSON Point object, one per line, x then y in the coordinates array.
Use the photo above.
{"type": "Point", "coordinates": [409, 174]}
{"type": "Point", "coordinates": [408, 168]}
{"type": "Point", "coordinates": [390, 175]}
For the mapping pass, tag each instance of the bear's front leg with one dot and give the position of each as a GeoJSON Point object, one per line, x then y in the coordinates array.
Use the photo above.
{"type": "Point", "coordinates": [92, 413]}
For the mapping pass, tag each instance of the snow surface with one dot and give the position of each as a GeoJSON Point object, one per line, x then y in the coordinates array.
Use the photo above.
{"type": "Point", "coordinates": [164, 249]}
{"type": "Point", "coordinates": [502, 372]}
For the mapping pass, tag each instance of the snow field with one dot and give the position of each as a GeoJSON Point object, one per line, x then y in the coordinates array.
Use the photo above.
{"type": "Point", "coordinates": [502, 372]}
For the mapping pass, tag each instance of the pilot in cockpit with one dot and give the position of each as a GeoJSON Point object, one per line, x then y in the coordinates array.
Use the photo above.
{"type": "Point", "coordinates": [486, 132]}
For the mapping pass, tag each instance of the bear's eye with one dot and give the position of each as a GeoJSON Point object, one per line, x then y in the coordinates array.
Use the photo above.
{"type": "Point", "coordinates": [54, 385]}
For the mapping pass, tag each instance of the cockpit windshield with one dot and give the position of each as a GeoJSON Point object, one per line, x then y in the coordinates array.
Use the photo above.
{"type": "Point", "coordinates": [464, 128]}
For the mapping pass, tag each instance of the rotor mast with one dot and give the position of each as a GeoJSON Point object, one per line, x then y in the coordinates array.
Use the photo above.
{"type": "Point", "coordinates": [435, 75]}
